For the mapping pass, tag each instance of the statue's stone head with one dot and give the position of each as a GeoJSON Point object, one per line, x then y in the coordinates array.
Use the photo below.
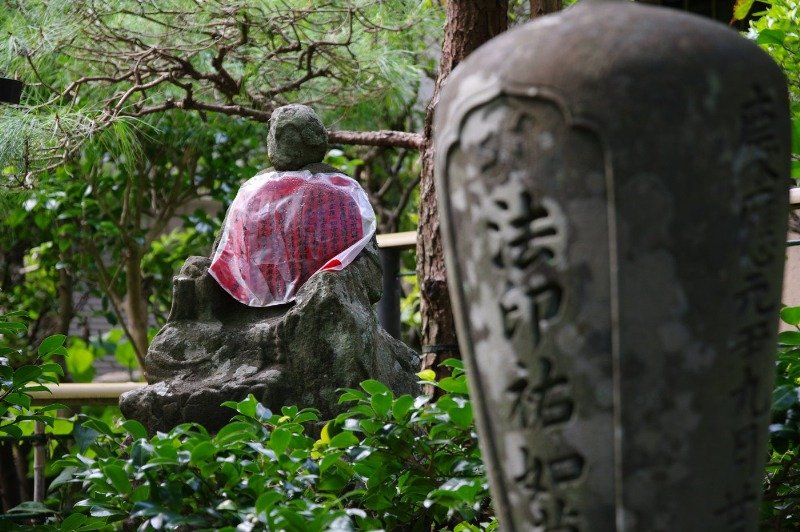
{"type": "Point", "coordinates": [296, 138]}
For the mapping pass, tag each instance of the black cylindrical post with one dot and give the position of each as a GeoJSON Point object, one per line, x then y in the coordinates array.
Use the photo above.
{"type": "Point", "coordinates": [10, 90]}
{"type": "Point", "coordinates": [389, 304]}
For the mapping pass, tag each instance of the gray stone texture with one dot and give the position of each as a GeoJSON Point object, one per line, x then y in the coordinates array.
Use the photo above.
{"type": "Point", "coordinates": [613, 195]}
{"type": "Point", "coordinates": [215, 349]}
{"type": "Point", "coordinates": [296, 137]}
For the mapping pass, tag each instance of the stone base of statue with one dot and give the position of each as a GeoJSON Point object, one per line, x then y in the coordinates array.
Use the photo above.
{"type": "Point", "coordinates": [215, 349]}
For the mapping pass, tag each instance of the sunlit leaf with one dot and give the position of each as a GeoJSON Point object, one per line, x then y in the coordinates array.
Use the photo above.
{"type": "Point", "coordinates": [51, 343]}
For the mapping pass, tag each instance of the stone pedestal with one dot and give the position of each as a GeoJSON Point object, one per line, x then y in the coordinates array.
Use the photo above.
{"type": "Point", "coordinates": [613, 189]}
{"type": "Point", "coordinates": [215, 349]}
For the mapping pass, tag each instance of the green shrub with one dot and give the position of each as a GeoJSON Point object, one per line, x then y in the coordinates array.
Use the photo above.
{"type": "Point", "coordinates": [386, 463]}
{"type": "Point", "coordinates": [16, 384]}
{"type": "Point", "coordinates": [18, 380]}
{"type": "Point", "coordinates": [781, 507]}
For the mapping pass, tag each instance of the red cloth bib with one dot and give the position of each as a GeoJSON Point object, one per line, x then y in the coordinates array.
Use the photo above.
{"type": "Point", "coordinates": [283, 227]}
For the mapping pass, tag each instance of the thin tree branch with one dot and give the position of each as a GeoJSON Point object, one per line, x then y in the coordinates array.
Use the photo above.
{"type": "Point", "coordinates": [114, 298]}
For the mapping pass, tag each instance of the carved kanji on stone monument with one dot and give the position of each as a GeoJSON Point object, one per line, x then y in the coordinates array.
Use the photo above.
{"type": "Point", "coordinates": [613, 208]}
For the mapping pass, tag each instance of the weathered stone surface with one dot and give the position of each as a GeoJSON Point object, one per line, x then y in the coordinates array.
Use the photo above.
{"type": "Point", "coordinates": [296, 137]}
{"type": "Point", "coordinates": [613, 191]}
{"type": "Point", "coordinates": [215, 349]}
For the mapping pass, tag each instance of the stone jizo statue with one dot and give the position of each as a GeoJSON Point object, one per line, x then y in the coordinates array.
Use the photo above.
{"type": "Point", "coordinates": [214, 348]}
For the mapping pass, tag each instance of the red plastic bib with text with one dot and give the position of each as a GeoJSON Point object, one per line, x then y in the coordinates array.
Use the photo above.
{"type": "Point", "coordinates": [283, 227]}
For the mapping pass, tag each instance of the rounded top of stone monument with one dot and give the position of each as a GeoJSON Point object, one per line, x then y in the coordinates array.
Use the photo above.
{"type": "Point", "coordinates": [297, 137]}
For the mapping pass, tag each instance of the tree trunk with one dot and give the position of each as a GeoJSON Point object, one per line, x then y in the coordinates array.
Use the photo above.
{"type": "Point", "coordinates": [19, 452]}
{"type": "Point", "coordinates": [470, 23]}
{"type": "Point", "coordinates": [66, 311]}
{"type": "Point", "coordinates": [544, 7]}
{"type": "Point", "coordinates": [136, 304]}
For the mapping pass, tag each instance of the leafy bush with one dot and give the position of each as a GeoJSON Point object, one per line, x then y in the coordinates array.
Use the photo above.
{"type": "Point", "coordinates": [777, 30]}
{"type": "Point", "coordinates": [781, 507]}
{"type": "Point", "coordinates": [18, 380]}
{"type": "Point", "coordinates": [17, 384]}
{"type": "Point", "coordinates": [386, 463]}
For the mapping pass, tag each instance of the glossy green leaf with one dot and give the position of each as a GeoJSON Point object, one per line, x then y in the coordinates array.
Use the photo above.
{"type": "Point", "coordinates": [99, 425]}
{"type": "Point", "coordinates": [11, 430]}
{"type": "Point", "coordinates": [304, 417]}
{"type": "Point", "coordinates": [135, 429]}
{"type": "Point", "coordinates": [119, 479]}
{"type": "Point", "coordinates": [12, 327]}
{"type": "Point", "coordinates": [52, 406]}
{"type": "Point", "coordinates": [32, 509]}
{"type": "Point", "coordinates": [4, 352]}
{"type": "Point", "coordinates": [248, 406]}
{"type": "Point", "coordinates": [370, 426]}
{"type": "Point", "coordinates": [51, 343]}
{"type": "Point", "coordinates": [381, 403]}
{"type": "Point", "coordinates": [329, 460]}
{"type": "Point", "coordinates": [15, 314]}
{"type": "Point", "coordinates": [454, 385]}
{"type": "Point", "coordinates": [267, 500]}
{"type": "Point", "coordinates": [401, 406]}
{"type": "Point", "coordinates": [289, 410]}
{"type": "Point", "coordinates": [142, 493]}
{"type": "Point", "coordinates": [373, 387]}
{"type": "Point", "coordinates": [279, 440]}
{"type": "Point", "coordinates": [427, 375]}
{"type": "Point", "coordinates": [26, 374]}
{"type": "Point", "coordinates": [350, 394]}
{"type": "Point", "coordinates": [202, 452]}
{"type": "Point", "coordinates": [100, 511]}
{"type": "Point", "coordinates": [227, 504]}
{"type": "Point", "coordinates": [741, 8]}
{"type": "Point", "coordinates": [452, 363]}
{"type": "Point", "coordinates": [18, 399]}
{"type": "Point", "coordinates": [784, 397]}
{"type": "Point", "coordinates": [791, 315]}
{"type": "Point", "coordinates": [771, 36]}
{"type": "Point", "coordinates": [343, 439]}
{"type": "Point", "coordinates": [52, 367]}
{"type": "Point", "coordinates": [461, 416]}
{"type": "Point", "coordinates": [141, 452]}
{"type": "Point", "coordinates": [233, 432]}
{"type": "Point", "coordinates": [64, 477]}
{"type": "Point", "coordinates": [84, 436]}
{"type": "Point", "coordinates": [33, 387]}
{"type": "Point", "coordinates": [789, 337]}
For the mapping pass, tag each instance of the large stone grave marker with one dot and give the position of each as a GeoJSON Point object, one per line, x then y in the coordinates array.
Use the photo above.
{"type": "Point", "coordinates": [613, 189]}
